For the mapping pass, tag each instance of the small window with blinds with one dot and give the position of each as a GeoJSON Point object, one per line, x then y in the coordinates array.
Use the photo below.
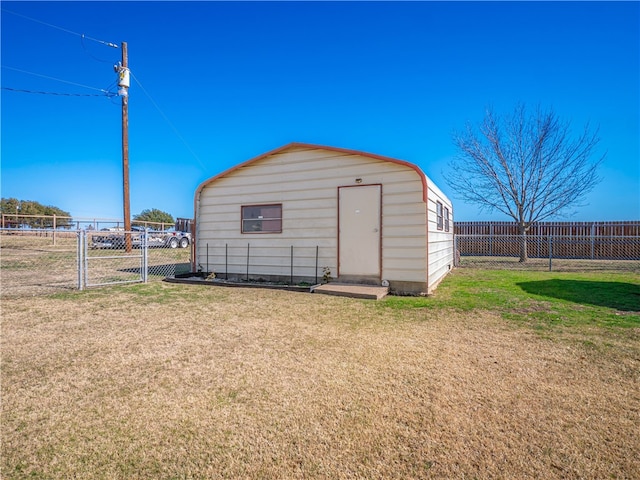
{"type": "Point", "coordinates": [262, 218]}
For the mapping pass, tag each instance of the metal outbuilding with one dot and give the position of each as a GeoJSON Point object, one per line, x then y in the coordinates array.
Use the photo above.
{"type": "Point", "coordinates": [303, 212]}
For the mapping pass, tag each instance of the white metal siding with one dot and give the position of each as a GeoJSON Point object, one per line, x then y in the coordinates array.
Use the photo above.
{"type": "Point", "coordinates": [440, 244]}
{"type": "Point", "coordinates": [305, 181]}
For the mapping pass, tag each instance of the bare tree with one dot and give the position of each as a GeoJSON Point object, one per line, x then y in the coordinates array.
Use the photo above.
{"type": "Point", "coordinates": [527, 166]}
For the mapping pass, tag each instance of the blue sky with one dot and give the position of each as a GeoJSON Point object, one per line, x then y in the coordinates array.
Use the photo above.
{"type": "Point", "coordinates": [217, 83]}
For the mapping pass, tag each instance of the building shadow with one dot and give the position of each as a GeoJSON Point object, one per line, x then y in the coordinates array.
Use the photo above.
{"type": "Point", "coordinates": [620, 296]}
{"type": "Point", "coordinates": [169, 269]}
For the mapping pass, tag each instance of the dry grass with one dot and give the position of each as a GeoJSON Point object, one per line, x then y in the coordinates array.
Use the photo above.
{"type": "Point", "coordinates": [32, 264]}
{"type": "Point", "coordinates": [178, 381]}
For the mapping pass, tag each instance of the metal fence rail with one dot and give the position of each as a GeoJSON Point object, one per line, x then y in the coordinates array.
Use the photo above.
{"type": "Point", "coordinates": [244, 262]}
{"type": "Point", "coordinates": [59, 223]}
{"type": "Point", "coordinates": [549, 252]}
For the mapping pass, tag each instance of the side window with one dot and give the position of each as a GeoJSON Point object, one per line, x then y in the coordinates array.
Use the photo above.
{"type": "Point", "coordinates": [262, 218]}
{"type": "Point", "coordinates": [446, 219]}
{"type": "Point", "coordinates": [439, 215]}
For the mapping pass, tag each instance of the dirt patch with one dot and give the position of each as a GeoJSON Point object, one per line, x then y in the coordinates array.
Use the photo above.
{"type": "Point", "coordinates": [173, 381]}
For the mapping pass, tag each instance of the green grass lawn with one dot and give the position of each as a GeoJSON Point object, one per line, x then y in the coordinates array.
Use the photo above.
{"type": "Point", "coordinates": [539, 299]}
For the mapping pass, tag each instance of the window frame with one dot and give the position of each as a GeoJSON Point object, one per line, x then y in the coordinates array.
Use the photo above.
{"type": "Point", "coordinates": [270, 219]}
{"type": "Point", "coordinates": [439, 215]}
{"type": "Point", "coordinates": [446, 219]}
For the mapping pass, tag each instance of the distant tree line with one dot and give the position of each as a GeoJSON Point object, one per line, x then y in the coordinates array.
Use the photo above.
{"type": "Point", "coordinates": [20, 212]}
{"type": "Point", "coordinates": [154, 216]}
{"type": "Point", "coordinates": [32, 214]}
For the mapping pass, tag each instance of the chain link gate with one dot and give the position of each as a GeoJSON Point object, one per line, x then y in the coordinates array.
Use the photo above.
{"type": "Point", "coordinates": [110, 258]}
{"type": "Point", "coordinates": [104, 258]}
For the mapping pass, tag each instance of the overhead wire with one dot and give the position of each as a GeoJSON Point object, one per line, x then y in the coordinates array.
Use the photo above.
{"type": "Point", "coordinates": [175, 130]}
{"type": "Point", "coordinates": [107, 93]}
{"type": "Point", "coordinates": [89, 54]}
{"type": "Point", "coordinates": [22, 90]}
{"type": "Point", "coordinates": [112, 94]}
{"type": "Point", "coordinates": [66, 30]}
{"type": "Point", "coordinates": [82, 36]}
{"type": "Point", "coordinates": [55, 79]}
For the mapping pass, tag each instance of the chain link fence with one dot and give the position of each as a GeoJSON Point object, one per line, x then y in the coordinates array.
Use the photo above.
{"type": "Point", "coordinates": [135, 256]}
{"type": "Point", "coordinates": [549, 252]}
{"type": "Point", "coordinates": [41, 261]}
{"type": "Point", "coordinates": [37, 262]}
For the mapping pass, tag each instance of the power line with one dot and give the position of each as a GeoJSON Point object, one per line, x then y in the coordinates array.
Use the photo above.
{"type": "Point", "coordinates": [105, 94]}
{"type": "Point", "coordinates": [89, 54]}
{"type": "Point", "coordinates": [55, 79]}
{"type": "Point", "coordinates": [175, 130]}
{"type": "Point", "coordinates": [66, 30]}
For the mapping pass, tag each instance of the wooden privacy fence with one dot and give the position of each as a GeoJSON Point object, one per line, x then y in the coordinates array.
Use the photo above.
{"type": "Point", "coordinates": [564, 229]}
{"type": "Point", "coordinates": [545, 246]}
{"type": "Point", "coordinates": [577, 240]}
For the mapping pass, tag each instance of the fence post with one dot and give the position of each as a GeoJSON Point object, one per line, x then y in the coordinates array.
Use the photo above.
{"type": "Point", "coordinates": [207, 259]}
{"type": "Point", "coordinates": [317, 248]}
{"type": "Point", "coordinates": [226, 261]}
{"type": "Point", "coordinates": [490, 239]}
{"type": "Point", "coordinates": [80, 259]}
{"type": "Point", "coordinates": [145, 257]}
{"type": "Point", "coordinates": [248, 246]}
{"type": "Point", "coordinates": [291, 278]}
{"type": "Point", "coordinates": [550, 250]}
{"type": "Point", "coordinates": [85, 254]}
{"type": "Point", "coordinates": [456, 262]}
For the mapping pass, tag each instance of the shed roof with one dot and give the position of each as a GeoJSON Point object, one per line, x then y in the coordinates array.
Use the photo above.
{"type": "Point", "coordinates": [295, 145]}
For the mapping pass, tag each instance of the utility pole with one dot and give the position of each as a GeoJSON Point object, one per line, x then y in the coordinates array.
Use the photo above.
{"type": "Point", "coordinates": [123, 91]}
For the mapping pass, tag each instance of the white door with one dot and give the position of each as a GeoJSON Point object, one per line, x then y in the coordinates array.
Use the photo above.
{"type": "Point", "coordinates": [359, 230]}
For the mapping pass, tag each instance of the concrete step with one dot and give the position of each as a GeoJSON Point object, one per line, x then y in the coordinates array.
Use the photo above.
{"type": "Point", "coordinates": [369, 292]}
